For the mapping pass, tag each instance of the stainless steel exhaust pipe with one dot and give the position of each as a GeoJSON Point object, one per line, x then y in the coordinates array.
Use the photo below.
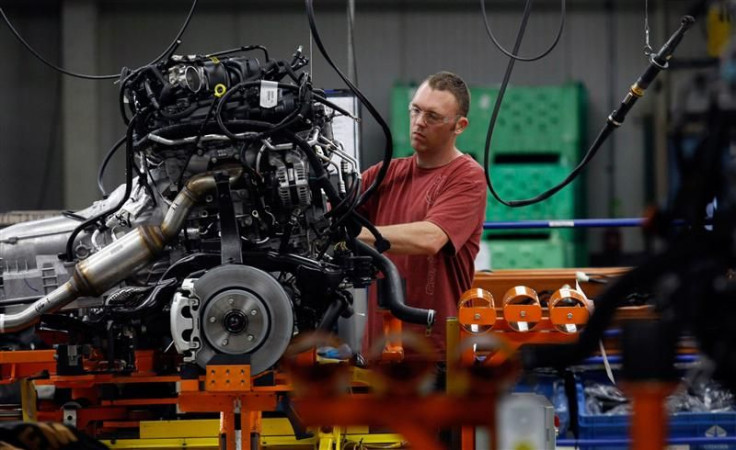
{"type": "Point", "coordinates": [117, 261]}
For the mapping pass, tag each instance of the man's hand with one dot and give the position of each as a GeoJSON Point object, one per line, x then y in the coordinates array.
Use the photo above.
{"type": "Point", "coordinates": [415, 238]}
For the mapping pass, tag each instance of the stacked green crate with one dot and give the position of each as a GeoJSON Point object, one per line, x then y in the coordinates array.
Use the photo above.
{"type": "Point", "coordinates": [538, 139]}
{"type": "Point", "coordinates": [534, 121]}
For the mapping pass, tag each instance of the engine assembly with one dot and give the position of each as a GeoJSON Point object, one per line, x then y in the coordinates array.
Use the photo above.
{"type": "Point", "coordinates": [233, 233]}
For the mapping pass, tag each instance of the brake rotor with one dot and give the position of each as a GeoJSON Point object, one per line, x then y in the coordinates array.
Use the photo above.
{"type": "Point", "coordinates": [244, 311]}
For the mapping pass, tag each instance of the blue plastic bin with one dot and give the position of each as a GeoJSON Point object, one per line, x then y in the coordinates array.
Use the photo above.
{"type": "Point", "coordinates": [681, 425]}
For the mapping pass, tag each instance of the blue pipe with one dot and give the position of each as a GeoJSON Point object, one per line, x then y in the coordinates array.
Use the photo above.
{"type": "Point", "coordinates": [627, 442]}
{"type": "Point", "coordinates": [570, 223]}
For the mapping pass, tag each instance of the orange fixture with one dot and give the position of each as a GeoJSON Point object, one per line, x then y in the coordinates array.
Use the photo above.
{"type": "Point", "coordinates": [521, 308]}
{"type": "Point", "coordinates": [569, 310]}
{"type": "Point", "coordinates": [476, 311]}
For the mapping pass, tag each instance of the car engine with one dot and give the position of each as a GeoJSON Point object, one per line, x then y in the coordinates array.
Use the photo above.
{"type": "Point", "coordinates": [234, 232]}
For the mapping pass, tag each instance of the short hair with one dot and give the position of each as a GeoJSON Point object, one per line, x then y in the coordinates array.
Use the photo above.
{"type": "Point", "coordinates": [448, 81]}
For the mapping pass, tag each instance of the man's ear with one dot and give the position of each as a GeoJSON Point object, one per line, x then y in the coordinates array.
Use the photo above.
{"type": "Point", "coordinates": [461, 125]}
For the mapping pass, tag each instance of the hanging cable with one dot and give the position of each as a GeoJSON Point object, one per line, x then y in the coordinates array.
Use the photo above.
{"type": "Point", "coordinates": [389, 149]}
{"type": "Point", "coordinates": [499, 99]}
{"type": "Point", "coordinates": [514, 55]}
{"type": "Point", "coordinates": [352, 60]}
{"type": "Point", "coordinates": [658, 62]}
{"type": "Point", "coordinates": [38, 56]}
{"type": "Point", "coordinates": [103, 166]}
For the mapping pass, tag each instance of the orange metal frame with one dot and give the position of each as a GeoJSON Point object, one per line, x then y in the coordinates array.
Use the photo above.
{"type": "Point", "coordinates": [649, 417]}
{"type": "Point", "coordinates": [229, 390]}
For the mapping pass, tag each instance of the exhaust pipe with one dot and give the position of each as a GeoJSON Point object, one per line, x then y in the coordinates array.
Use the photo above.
{"type": "Point", "coordinates": [117, 261]}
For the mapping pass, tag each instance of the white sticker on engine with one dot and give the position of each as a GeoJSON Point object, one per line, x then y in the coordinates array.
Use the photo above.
{"type": "Point", "coordinates": [269, 94]}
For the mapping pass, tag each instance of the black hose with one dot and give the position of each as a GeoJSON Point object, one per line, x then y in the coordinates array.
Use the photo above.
{"type": "Point", "coordinates": [513, 57]}
{"type": "Point", "coordinates": [130, 77]}
{"type": "Point", "coordinates": [324, 182]}
{"type": "Point", "coordinates": [395, 291]}
{"type": "Point", "coordinates": [185, 112]}
{"type": "Point", "coordinates": [334, 310]}
{"type": "Point", "coordinates": [298, 113]}
{"type": "Point", "coordinates": [499, 100]}
{"type": "Point", "coordinates": [657, 63]}
{"type": "Point", "coordinates": [103, 166]}
{"type": "Point", "coordinates": [351, 197]}
{"type": "Point", "coordinates": [320, 173]}
{"type": "Point", "coordinates": [160, 295]}
{"type": "Point", "coordinates": [190, 263]}
{"type": "Point", "coordinates": [128, 189]}
{"type": "Point", "coordinates": [224, 99]}
{"type": "Point", "coordinates": [389, 148]}
{"type": "Point", "coordinates": [608, 128]}
{"type": "Point", "coordinates": [320, 99]}
{"type": "Point", "coordinates": [497, 107]}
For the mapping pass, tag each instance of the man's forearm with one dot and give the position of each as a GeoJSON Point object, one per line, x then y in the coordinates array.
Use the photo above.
{"type": "Point", "coordinates": [415, 238]}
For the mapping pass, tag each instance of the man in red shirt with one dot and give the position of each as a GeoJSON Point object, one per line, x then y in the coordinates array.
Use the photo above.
{"type": "Point", "coordinates": [430, 207]}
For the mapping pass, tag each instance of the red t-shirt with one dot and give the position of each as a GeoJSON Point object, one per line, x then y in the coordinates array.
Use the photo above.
{"type": "Point", "coordinates": [452, 197]}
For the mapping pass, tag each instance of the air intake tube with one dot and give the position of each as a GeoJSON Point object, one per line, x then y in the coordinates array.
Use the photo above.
{"type": "Point", "coordinates": [117, 261]}
{"type": "Point", "coordinates": [395, 291]}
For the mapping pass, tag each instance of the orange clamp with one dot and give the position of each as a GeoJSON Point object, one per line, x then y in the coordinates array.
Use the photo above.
{"type": "Point", "coordinates": [521, 308]}
{"type": "Point", "coordinates": [476, 311]}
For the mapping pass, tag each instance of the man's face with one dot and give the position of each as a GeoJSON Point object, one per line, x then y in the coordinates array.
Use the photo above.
{"type": "Point", "coordinates": [434, 119]}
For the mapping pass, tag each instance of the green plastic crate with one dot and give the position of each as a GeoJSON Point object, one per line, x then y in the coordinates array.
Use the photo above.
{"type": "Point", "coordinates": [541, 120]}
{"type": "Point", "coordinates": [531, 254]}
{"type": "Point", "coordinates": [522, 181]}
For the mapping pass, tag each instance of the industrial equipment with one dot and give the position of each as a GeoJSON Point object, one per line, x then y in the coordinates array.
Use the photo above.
{"type": "Point", "coordinates": [232, 234]}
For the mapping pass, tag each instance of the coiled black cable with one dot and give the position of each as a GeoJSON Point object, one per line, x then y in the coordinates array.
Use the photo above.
{"type": "Point", "coordinates": [513, 55]}
{"type": "Point", "coordinates": [657, 63]}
